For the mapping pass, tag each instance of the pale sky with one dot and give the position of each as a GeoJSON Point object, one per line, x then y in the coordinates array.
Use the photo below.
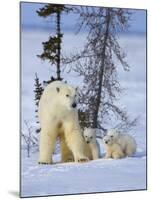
{"type": "Point", "coordinates": [29, 18]}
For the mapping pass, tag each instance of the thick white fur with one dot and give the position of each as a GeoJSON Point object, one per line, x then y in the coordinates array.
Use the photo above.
{"type": "Point", "coordinates": [59, 119]}
{"type": "Point", "coordinates": [127, 142]}
{"type": "Point", "coordinates": [113, 150]}
{"type": "Point", "coordinates": [92, 147]}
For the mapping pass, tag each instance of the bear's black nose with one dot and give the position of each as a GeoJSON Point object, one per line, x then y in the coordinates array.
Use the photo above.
{"type": "Point", "coordinates": [106, 142]}
{"type": "Point", "coordinates": [74, 105]}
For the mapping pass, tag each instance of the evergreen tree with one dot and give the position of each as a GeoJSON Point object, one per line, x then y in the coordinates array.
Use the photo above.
{"type": "Point", "coordinates": [38, 92]}
{"type": "Point", "coordinates": [52, 47]}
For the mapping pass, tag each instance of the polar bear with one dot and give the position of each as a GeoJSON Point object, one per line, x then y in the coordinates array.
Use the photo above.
{"type": "Point", "coordinates": [92, 146]}
{"type": "Point", "coordinates": [113, 150]}
{"type": "Point", "coordinates": [127, 142]}
{"type": "Point", "coordinates": [58, 118]}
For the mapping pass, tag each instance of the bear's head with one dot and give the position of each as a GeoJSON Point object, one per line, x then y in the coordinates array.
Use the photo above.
{"type": "Point", "coordinates": [113, 134]}
{"type": "Point", "coordinates": [89, 135]}
{"type": "Point", "coordinates": [67, 96]}
{"type": "Point", "coordinates": [107, 140]}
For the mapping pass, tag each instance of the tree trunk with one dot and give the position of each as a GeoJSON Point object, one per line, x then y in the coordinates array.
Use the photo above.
{"type": "Point", "coordinates": [59, 45]}
{"type": "Point", "coordinates": [99, 92]}
{"type": "Point", "coordinates": [28, 150]}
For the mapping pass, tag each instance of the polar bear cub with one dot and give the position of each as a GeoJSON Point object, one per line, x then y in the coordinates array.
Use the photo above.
{"type": "Point", "coordinates": [127, 142]}
{"type": "Point", "coordinates": [113, 150]}
{"type": "Point", "coordinates": [91, 143]}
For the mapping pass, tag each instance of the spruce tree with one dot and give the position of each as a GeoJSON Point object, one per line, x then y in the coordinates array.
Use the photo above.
{"type": "Point", "coordinates": [38, 92]}
{"type": "Point", "coordinates": [52, 47]}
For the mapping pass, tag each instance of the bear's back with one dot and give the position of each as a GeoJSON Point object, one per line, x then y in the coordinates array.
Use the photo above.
{"type": "Point", "coordinates": [126, 139]}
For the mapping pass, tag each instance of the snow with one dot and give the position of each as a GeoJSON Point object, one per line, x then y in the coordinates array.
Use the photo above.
{"type": "Point", "coordinates": [101, 175]}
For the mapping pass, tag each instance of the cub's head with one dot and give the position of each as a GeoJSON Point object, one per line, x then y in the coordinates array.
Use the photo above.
{"type": "Point", "coordinates": [89, 135]}
{"type": "Point", "coordinates": [113, 134]}
{"type": "Point", "coordinates": [107, 140]}
{"type": "Point", "coordinates": [67, 96]}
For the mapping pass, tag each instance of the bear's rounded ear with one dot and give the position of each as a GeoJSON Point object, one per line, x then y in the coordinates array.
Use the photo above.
{"type": "Point", "coordinates": [94, 131]}
{"type": "Point", "coordinates": [84, 129]}
{"type": "Point", "coordinates": [76, 88]}
{"type": "Point", "coordinates": [58, 89]}
{"type": "Point", "coordinates": [115, 130]}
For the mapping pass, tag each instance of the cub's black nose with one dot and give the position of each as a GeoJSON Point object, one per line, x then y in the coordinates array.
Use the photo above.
{"type": "Point", "coordinates": [106, 142]}
{"type": "Point", "coordinates": [74, 105]}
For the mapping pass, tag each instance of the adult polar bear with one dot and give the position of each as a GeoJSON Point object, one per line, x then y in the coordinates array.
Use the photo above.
{"type": "Point", "coordinates": [58, 117]}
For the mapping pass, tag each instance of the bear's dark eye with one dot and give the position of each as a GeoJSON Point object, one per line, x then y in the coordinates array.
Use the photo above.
{"type": "Point", "coordinates": [67, 95]}
{"type": "Point", "coordinates": [111, 136]}
{"type": "Point", "coordinates": [91, 137]}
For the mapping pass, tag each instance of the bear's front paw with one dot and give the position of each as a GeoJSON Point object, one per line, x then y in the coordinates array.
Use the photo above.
{"type": "Point", "coordinates": [70, 160]}
{"type": "Point", "coordinates": [117, 157]}
{"type": "Point", "coordinates": [106, 157]}
{"type": "Point", "coordinates": [81, 160]}
{"type": "Point", "coordinates": [44, 163]}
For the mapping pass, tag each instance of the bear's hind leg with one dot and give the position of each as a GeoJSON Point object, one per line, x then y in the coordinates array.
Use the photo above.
{"type": "Point", "coordinates": [130, 151]}
{"type": "Point", "coordinates": [76, 144]}
{"type": "Point", "coordinates": [66, 154]}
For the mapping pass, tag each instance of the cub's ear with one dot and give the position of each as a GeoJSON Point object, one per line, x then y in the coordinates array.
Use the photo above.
{"type": "Point", "coordinates": [84, 129]}
{"type": "Point", "coordinates": [115, 130]}
{"type": "Point", "coordinates": [58, 89]}
{"type": "Point", "coordinates": [94, 131]}
{"type": "Point", "coordinates": [118, 131]}
{"type": "Point", "coordinates": [76, 88]}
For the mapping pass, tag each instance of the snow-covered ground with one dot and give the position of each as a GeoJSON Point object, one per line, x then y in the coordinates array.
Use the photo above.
{"type": "Point", "coordinates": [102, 175]}
{"type": "Point", "coordinates": [95, 176]}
